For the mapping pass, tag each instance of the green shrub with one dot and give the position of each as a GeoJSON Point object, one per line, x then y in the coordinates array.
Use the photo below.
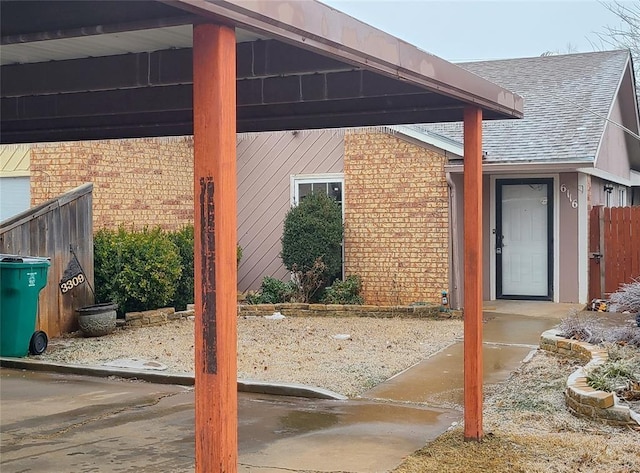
{"type": "Point", "coordinates": [139, 270]}
{"type": "Point", "coordinates": [313, 232]}
{"type": "Point", "coordinates": [183, 239]}
{"type": "Point", "coordinates": [273, 291]}
{"type": "Point", "coordinates": [344, 292]}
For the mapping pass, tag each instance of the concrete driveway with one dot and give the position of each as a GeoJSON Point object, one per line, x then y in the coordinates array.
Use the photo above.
{"type": "Point", "coordinates": [69, 423]}
{"type": "Point", "coordinates": [66, 423]}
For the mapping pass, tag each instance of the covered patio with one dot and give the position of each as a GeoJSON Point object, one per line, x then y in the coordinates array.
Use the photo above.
{"type": "Point", "coordinates": [96, 69]}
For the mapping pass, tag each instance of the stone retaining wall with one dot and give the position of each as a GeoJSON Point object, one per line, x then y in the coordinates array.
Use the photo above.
{"type": "Point", "coordinates": [161, 316]}
{"type": "Point", "coordinates": [581, 399]}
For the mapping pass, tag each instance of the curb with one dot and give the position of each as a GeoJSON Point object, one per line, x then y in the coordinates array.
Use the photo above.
{"type": "Point", "coordinates": [187, 379]}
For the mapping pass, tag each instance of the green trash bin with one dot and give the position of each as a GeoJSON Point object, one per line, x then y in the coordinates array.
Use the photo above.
{"type": "Point", "coordinates": [21, 280]}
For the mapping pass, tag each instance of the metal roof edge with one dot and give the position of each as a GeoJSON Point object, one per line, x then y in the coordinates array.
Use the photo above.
{"type": "Point", "coordinates": [319, 27]}
{"type": "Point", "coordinates": [429, 137]}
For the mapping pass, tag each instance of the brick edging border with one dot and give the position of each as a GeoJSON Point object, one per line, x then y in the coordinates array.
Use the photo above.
{"type": "Point", "coordinates": [337, 310]}
{"type": "Point", "coordinates": [581, 399]}
{"type": "Point", "coordinates": [166, 314]}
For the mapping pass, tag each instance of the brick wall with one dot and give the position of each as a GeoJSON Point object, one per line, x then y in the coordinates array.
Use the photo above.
{"type": "Point", "coordinates": [396, 219]}
{"type": "Point", "coordinates": [137, 183]}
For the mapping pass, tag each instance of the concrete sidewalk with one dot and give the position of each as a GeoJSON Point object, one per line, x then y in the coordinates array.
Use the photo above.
{"type": "Point", "coordinates": [438, 381]}
{"type": "Point", "coordinates": [69, 423]}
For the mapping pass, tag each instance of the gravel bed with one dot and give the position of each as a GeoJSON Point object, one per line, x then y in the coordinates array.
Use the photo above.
{"type": "Point", "coordinates": [295, 349]}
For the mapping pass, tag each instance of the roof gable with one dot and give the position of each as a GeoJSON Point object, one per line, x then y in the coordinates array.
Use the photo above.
{"type": "Point", "coordinates": [566, 100]}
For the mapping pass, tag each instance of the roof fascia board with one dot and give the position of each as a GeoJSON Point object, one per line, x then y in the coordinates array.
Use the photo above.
{"type": "Point", "coordinates": [487, 168]}
{"type": "Point", "coordinates": [634, 87]}
{"type": "Point", "coordinates": [613, 101]}
{"type": "Point", "coordinates": [607, 176]}
{"type": "Point", "coordinates": [315, 26]}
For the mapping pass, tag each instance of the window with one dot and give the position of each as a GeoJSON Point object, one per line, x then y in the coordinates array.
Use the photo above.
{"type": "Point", "coordinates": [305, 184]}
{"type": "Point", "coordinates": [15, 196]}
{"type": "Point", "coordinates": [622, 196]}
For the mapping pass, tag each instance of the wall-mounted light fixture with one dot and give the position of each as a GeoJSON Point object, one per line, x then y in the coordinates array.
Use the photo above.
{"type": "Point", "coordinates": [608, 188]}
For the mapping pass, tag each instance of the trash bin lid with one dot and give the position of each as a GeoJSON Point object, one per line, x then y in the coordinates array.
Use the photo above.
{"type": "Point", "coordinates": [24, 259]}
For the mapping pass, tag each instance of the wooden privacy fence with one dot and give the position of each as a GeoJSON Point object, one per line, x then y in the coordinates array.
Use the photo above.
{"type": "Point", "coordinates": [58, 229]}
{"type": "Point", "coordinates": [614, 249]}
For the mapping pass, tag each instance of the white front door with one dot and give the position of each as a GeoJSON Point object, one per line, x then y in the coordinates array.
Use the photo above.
{"type": "Point", "coordinates": [523, 238]}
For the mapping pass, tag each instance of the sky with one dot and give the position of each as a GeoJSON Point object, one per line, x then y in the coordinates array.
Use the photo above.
{"type": "Point", "coordinates": [468, 30]}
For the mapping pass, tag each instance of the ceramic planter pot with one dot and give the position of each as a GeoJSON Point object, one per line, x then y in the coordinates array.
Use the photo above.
{"type": "Point", "coordinates": [97, 320]}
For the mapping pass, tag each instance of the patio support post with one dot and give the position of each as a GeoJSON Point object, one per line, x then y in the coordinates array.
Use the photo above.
{"type": "Point", "coordinates": [214, 130]}
{"type": "Point", "coordinates": [473, 273]}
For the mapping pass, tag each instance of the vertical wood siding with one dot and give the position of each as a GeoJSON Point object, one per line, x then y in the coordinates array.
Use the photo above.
{"type": "Point", "coordinates": [51, 230]}
{"type": "Point", "coordinates": [265, 163]}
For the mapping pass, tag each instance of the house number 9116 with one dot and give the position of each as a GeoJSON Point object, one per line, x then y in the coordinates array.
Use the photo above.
{"type": "Point", "coordinates": [564, 190]}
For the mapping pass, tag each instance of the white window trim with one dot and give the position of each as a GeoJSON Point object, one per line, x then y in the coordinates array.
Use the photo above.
{"type": "Point", "coordinates": [296, 179]}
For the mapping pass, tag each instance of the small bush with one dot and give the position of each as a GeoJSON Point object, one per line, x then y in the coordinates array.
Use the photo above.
{"type": "Point", "coordinates": [344, 292]}
{"type": "Point", "coordinates": [588, 328]}
{"type": "Point", "coordinates": [183, 239]}
{"type": "Point", "coordinates": [581, 327]}
{"type": "Point", "coordinates": [309, 284]}
{"type": "Point", "coordinates": [272, 291]}
{"type": "Point", "coordinates": [627, 335]}
{"type": "Point", "coordinates": [138, 270]}
{"type": "Point", "coordinates": [627, 298]}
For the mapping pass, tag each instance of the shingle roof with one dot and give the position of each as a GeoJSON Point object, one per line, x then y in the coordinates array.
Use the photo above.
{"type": "Point", "coordinates": [557, 90]}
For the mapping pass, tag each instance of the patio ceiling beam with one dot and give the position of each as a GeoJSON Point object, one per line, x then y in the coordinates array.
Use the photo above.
{"type": "Point", "coordinates": [265, 104]}
{"type": "Point", "coordinates": [181, 123]}
{"type": "Point", "coordinates": [261, 65]}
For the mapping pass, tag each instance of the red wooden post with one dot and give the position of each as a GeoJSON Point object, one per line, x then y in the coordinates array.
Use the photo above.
{"type": "Point", "coordinates": [473, 273]}
{"type": "Point", "coordinates": [214, 130]}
